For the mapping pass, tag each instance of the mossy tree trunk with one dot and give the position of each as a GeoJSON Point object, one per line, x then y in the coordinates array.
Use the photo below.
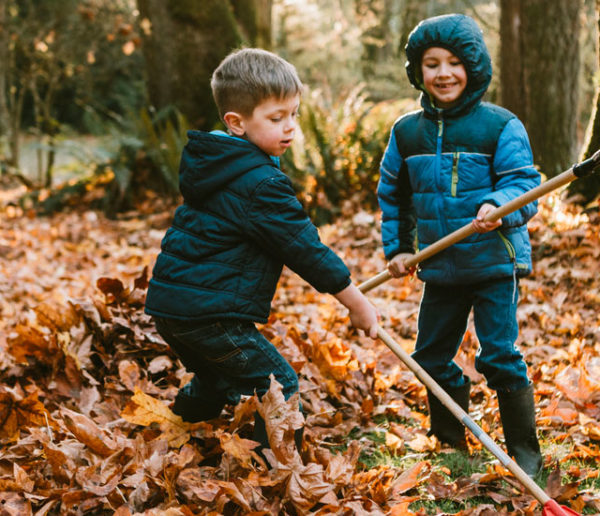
{"type": "Point", "coordinates": [540, 59]}
{"type": "Point", "coordinates": [184, 42]}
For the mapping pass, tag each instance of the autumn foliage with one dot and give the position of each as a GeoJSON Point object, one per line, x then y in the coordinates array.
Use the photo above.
{"type": "Point", "coordinates": [85, 423]}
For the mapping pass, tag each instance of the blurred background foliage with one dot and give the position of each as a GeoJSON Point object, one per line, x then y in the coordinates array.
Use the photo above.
{"type": "Point", "coordinates": [99, 94]}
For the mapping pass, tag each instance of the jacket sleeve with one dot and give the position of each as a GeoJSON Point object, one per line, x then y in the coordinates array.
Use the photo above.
{"type": "Point", "coordinates": [514, 173]}
{"type": "Point", "coordinates": [395, 200]}
{"type": "Point", "coordinates": [280, 226]}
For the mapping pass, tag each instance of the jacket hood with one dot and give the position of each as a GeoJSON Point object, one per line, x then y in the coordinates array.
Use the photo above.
{"type": "Point", "coordinates": [463, 37]}
{"type": "Point", "coordinates": [211, 160]}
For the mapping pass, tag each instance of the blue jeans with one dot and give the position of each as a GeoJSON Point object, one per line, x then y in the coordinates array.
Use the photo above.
{"type": "Point", "coordinates": [443, 318]}
{"type": "Point", "coordinates": [228, 358]}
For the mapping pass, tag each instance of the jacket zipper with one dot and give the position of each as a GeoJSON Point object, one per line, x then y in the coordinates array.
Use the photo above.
{"type": "Point", "coordinates": [455, 158]}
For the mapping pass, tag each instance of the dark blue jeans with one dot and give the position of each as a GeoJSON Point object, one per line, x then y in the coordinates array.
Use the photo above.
{"type": "Point", "coordinates": [228, 358]}
{"type": "Point", "coordinates": [443, 318]}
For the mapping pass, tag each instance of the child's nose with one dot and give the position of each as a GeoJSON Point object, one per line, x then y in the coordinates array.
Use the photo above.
{"type": "Point", "coordinates": [290, 124]}
{"type": "Point", "coordinates": [444, 69]}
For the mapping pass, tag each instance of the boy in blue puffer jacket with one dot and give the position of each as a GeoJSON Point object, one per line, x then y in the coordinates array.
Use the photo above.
{"type": "Point", "coordinates": [240, 222]}
{"type": "Point", "coordinates": [446, 165]}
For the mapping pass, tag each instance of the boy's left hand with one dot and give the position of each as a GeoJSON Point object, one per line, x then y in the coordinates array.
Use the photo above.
{"type": "Point", "coordinates": [480, 225]}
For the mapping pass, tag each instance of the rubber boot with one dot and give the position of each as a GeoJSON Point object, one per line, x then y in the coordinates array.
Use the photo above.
{"type": "Point", "coordinates": [444, 424]}
{"type": "Point", "coordinates": [193, 408]}
{"type": "Point", "coordinates": [517, 412]}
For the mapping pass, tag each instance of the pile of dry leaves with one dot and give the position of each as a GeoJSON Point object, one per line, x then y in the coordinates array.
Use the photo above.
{"type": "Point", "coordinates": [85, 424]}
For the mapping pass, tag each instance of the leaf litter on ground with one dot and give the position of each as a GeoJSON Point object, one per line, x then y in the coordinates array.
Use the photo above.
{"type": "Point", "coordinates": [87, 384]}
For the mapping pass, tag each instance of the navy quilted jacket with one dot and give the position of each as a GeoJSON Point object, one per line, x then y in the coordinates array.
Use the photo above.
{"type": "Point", "coordinates": [441, 165]}
{"type": "Point", "coordinates": [240, 222]}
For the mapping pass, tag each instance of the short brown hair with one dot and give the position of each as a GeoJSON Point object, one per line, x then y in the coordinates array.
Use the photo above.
{"type": "Point", "coordinates": [248, 76]}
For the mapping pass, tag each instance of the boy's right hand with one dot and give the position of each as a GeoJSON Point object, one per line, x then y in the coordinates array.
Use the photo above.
{"type": "Point", "coordinates": [396, 265]}
{"type": "Point", "coordinates": [363, 315]}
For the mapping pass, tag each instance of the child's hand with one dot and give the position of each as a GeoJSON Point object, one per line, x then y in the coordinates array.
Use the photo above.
{"type": "Point", "coordinates": [363, 315]}
{"type": "Point", "coordinates": [396, 265]}
{"type": "Point", "coordinates": [480, 225]}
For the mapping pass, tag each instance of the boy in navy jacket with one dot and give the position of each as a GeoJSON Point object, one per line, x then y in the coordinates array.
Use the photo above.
{"type": "Point", "coordinates": [446, 165]}
{"type": "Point", "coordinates": [240, 222]}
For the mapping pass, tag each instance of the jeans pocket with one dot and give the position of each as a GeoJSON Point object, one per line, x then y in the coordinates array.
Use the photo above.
{"type": "Point", "coordinates": [220, 344]}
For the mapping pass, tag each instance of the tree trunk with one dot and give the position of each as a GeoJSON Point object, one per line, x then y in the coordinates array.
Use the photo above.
{"type": "Point", "coordinates": [588, 188]}
{"type": "Point", "coordinates": [254, 21]}
{"type": "Point", "coordinates": [512, 80]}
{"type": "Point", "coordinates": [4, 64]}
{"type": "Point", "coordinates": [187, 40]}
{"type": "Point", "coordinates": [539, 75]}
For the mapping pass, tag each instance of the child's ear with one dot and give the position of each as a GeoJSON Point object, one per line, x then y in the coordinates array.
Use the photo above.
{"type": "Point", "coordinates": [235, 123]}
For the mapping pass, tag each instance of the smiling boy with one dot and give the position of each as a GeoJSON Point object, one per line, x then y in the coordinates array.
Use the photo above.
{"type": "Point", "coordinates": [239, 223]}
{"type": "Point", "coordinates": [445, 166]}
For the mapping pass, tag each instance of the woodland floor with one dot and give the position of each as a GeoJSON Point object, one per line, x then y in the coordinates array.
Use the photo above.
{"type": "Point", "coordinates": [86, 384]}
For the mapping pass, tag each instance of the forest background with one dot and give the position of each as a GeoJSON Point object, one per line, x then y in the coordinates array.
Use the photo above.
{"type": "Point", "coordinates": [95, 100]}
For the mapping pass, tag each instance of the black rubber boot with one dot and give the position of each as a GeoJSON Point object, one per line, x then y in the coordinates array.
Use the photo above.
{"type": "Point", "coordinates": [517, 412]}
{"type": "Point", "coordinates": [444, 424]}
{"type": "Point", "coordinates": [260, 436]}
{"type": "Point", "coordinates": [192, 408]}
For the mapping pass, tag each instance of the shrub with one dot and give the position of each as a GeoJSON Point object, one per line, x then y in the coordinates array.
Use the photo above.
{"type": "Point", "coordinates": [336, 157]}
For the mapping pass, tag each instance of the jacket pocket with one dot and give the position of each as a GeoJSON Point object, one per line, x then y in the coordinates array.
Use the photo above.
{"type": "Point", "coordinates": [220, 344]}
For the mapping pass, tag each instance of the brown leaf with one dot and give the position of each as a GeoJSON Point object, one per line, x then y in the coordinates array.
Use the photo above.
{"type": "Point", "coordinates": [145, 410]}
{"type": "Point", "coordinates": [306, 485]}
{"type": "Point", "coordinates": [27, 342]}
{"type": "Point", "coordinates": [129, 374]}
{"type": "Point", "coordinates": [59, 318]}
{"type": "Point", "coordinates": [141, 282]}
{"type": "Point", "coordinates": [193, 485]}
{"type": "Point", "coordinates": [112, 288]}
{"type": "Point", "coordinates": [13, 504]}
{"type": "Point", "coordinates": [99, 480]}
{"type": "Point", "coordinates": [557, 490]}
{"type": "Point", "coordinates": [237, 447]}
{"type": "Point", "coordinates": [88, 433]}
{"type": "Point", "coordinates": [422, 443]}
{"type": "Point", "coordinates": [16, 414]}
{"type": "Point", "coordinates": [282, 419]}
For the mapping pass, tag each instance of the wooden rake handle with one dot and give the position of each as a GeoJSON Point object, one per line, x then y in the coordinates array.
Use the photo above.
{"type": "Point", "coordinates": [463, 417]}
{"type": "Point", "coordinates": [579, 170]}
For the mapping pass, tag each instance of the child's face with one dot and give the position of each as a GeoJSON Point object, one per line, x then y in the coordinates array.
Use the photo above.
{"type": "Point", "coordinates": [444, 76]}
{"type": "Point", "coordinates": [272, 125]}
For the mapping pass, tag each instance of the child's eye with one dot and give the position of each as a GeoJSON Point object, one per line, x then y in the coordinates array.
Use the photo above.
{"type": "Point", "coordinates": [276, 120]}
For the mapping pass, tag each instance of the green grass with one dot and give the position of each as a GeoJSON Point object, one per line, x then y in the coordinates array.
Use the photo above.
{"type": "Point", "coordinates": [455, 464]}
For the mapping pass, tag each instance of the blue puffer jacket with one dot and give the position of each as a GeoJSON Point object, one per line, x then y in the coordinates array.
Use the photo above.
{"type": "Point", "coordinates": [239, 224]}
{"type": "Point", "coordinates": [441, 165]}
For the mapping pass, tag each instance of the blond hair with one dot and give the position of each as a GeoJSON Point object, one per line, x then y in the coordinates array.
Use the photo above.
{"type": "Point", "coordinates": [248, 76]}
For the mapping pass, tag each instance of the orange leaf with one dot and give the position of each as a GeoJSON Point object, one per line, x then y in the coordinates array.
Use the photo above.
{"type": "Point", "coordinates": [410, 478]}
{"type": "Point", "coordinates": [401, 508]}
{"type": "Point", "coordinates": [562, 412]}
